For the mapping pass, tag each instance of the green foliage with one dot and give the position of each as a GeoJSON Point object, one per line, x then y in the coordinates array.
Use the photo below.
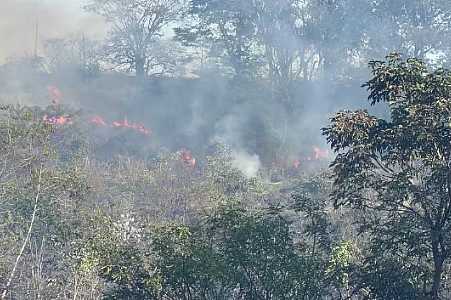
{"type": "Point", "coordinates": [39, 195]}
{"type": "Point", "coordinates": [227, 28]}
{"type": "Point", "coordinates": [261, 255]}
{"type": "Point", "coordinates": [397, 170]}
{"type": "Point", "coordinates": [419, 27]}
{"type": "Point", "coordinates": [114, 255]}
{"type": "Point", "coordinates": [232, 253]}
{"type": "Point", "coordinates": [309, 200]}
{"type": "Point", "coordinates": [340, 260]}
{"type": "Point", "coordinates": [187, 267]}
{"type": "Point", "coordinates": [389, 277]}
{"type": "Point", "coordinates": [74, 226]}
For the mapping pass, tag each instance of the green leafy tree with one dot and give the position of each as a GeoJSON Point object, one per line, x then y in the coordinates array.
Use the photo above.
{"type": "Point", "coordinates": [233, 253]}
{"type": "Point", "coordinates": [340, 267]}
{"type": "Point", "coordinates": [112, 249]}
{"type": "Point", "coordinates": [225, 28]}
{"type": "Point", "coordinates": [136, 28]}
{"type": "Point", "coordinates": [418, 28]}
{"type": "Point", "coordinates": [397, 171]}
{"type": "Point", "coordinates": [188, 267]}
{"type": "Point", "coordinates": [263, 261]}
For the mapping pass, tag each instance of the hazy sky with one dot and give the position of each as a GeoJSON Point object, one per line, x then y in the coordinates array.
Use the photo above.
{"type": "Point", "coordinates": [56, 18]}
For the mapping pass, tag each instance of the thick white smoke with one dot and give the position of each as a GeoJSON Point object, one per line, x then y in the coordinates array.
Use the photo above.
{"type": "Point", "coordinates": [248, 164]}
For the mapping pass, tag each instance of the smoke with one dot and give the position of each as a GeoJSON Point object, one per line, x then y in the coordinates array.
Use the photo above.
{"type": "Point", "coordinates": [248, 164]}
{"type": "Point", "coordinates": [54, 18]}
{"type": "Point", "coordinates": [250, 117]}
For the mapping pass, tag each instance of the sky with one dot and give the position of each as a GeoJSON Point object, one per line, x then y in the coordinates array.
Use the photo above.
{"type": "Point", "coordinates": [56, 19]}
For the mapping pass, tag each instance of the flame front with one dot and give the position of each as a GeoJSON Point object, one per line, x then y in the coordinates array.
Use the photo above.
{"type": "Point", "coordinates": [57, 120]}
{"type": "Point", "coordinates": [135, 126]}
{"type": "Point", "coordinates": [56, 96]}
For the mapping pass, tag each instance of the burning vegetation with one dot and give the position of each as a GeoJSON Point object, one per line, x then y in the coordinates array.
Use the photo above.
{"type": "Point", "coordinates": [56, 97]}
{"type": "Point", "coordinates": [135, 126]}
{"type": "Point", "coordinates": [209, 149]}
{"type": "Point", "coordinates": [187, 158]}
{"type": "Point", "coordinates": [57, 120]}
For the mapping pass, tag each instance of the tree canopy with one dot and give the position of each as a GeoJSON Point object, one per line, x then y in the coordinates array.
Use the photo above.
{"type": "Point", "coordinates": [398, 169]}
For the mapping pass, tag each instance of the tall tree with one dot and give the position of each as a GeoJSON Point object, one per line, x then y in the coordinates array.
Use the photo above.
{"type": "Point", "coordinates": [336, 30]}
{"type": "Point", "coordinates": [399, 170]}
{"type": "Point", "coordinates": [226, 28]}
{"type": "Point", "coordinates": [277, 26]}
{"type": "Point", "coordinates": [136, 26]}
{"type": "Point", "coordinates": [418, 28]}
{"type": "Point", "coordinates": [77, 54]}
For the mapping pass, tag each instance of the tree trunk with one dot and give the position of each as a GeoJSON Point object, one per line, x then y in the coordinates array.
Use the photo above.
{"type": "Point", "coordinates": [139, 65]}
{"type": "Point", "coordinates": [436, 283]}
{"type": "Point", "coordinates": [438, 268]}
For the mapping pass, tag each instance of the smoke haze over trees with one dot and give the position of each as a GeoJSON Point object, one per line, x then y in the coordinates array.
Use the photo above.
{"type": "Point", "coordinates": [180, 149]}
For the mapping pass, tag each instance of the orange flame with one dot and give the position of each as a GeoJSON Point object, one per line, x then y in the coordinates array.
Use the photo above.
{"type": "Point", "coordinates": [142, 129]}
{"type": "Point", "coordinates": [98, 120]}
{"type": "Point", "coordinates": [187, 158]}
{"type": "Point", "coordinates": [56, 95]}
{"type": "Point", "coordinates": [135, 126]}
{"type": "Point", "coordinates": [317, 154]}
{"type": "Point", "coordinates": [57, 120]}
{"type": "Point", "coordinates": [120, 124]}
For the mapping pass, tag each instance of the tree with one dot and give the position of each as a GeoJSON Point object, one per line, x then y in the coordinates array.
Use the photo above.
{"type": "Point", "coordinates": [136, 26]}
{"type": "Point", "coordinates": [418, 28]}
{"type": "Point", "coordinates": [78, 54]}
{"type": "Point", "coordinates": [227, 28]}
{"type": "Point", "coordinates": [398, 171]}
{"type": "Point", "coordinates": [337, 31]}
{"type": "Point", "coordinates": [232, 253]}
{"type": "Point", "coordinates": [277, 28]}
{"type": "Point", "coordinates": [263, 259]}
{"type": "Point", "coordinates": [39, 192]}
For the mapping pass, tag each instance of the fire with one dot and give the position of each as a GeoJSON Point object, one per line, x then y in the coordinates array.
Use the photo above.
{"type": "Point", "coordinates": [142, 129]}
{"type": "Point", "coordinates": [55, 94]}
{"type": "Point", "coordinates": [187, 158]}
{"type": "Point", "coordinates": [317, 154]}
{"type": "Point", "coordinates": [135, 126]}
{"type": "Point", "coordinates": [57, 120]}
{"type": "Point", "coordinates": [120, 124]}
{"type": "Point", "coordinates": [320, 153]}
{"type": "Point", "coordinates": [98, 120]}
